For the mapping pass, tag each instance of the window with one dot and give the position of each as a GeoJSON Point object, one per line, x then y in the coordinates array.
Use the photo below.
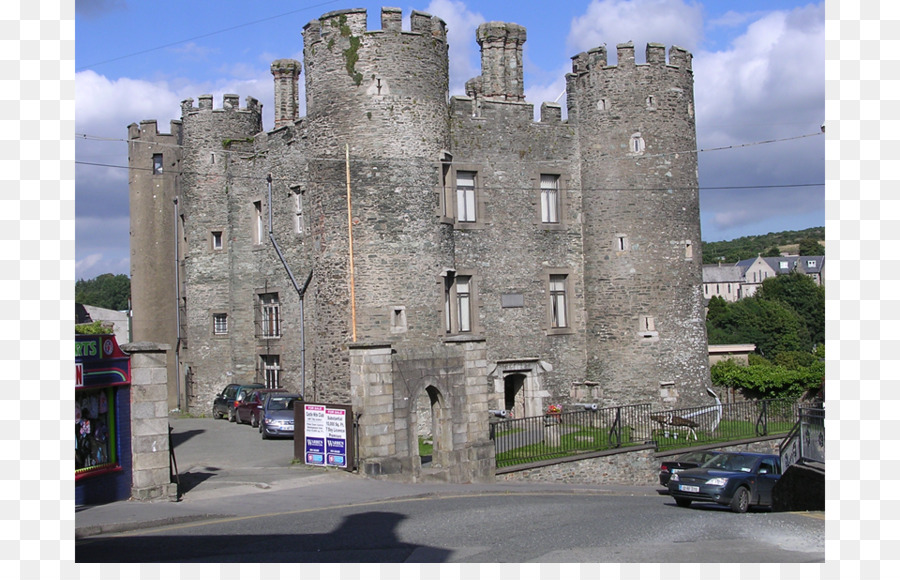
{"type": "Point", "coordinates": [260, 231]}
{"type": "Point", "coordinates": [465, 196]}
{"type": "Point", "coordinates": [783, 264]}
{"type": "Point", "coordinates": [550, 199]}
{"type": "Point", "coordinates": [558, 311]}
{"type": "Point", "coordinates": [220, 323]}
{"type": "Point", "coordinates": [157, 164]}
{"type": "Point", "coordinates": [688, 250]}
{"type": "Point", "coordinates": [810, 263]}
{"type": "Point", "coordinates": [298, 214]}
{"type": "Point", "coordinates": [270, 321]}
{"type": "Point", "coordinates": [271, 370]}
{"type": "Point", "coordinates": [458, 302]}
{"type": "Point", "coordinates": [621, 243]}
{"type": "Point", "coordinates": [217, 242]}
{"type": "Point", "coordinates": [637, 143]}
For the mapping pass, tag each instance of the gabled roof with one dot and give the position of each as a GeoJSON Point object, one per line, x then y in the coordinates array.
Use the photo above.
{"type": "Point", "coordinates": [787, 264]}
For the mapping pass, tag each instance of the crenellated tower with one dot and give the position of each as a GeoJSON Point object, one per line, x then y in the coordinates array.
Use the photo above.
{"type": "Point", "coordinates": [642, 265]}
{"type": "Point", "coordinates": [376, 104]}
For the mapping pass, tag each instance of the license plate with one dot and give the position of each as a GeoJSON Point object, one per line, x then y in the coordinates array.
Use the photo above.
{"type": "Point", "coordinates": [288, 428]}
{"type": "Point", "coordinates": [689, 488]}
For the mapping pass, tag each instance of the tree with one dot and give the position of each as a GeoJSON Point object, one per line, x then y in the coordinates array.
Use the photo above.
{"type": "Point", "coordinates": [773, 381]}
{"type": "Point", "coordinates": [771, 325]}
{"type": "Point", "coordinates": [105, 291]}
{"type": "Point", "coordinates": [811, 247]}
{"type": "Point", "coordinates": [804, 296]}
{"type": "Point", "coordinates": [772, 252]}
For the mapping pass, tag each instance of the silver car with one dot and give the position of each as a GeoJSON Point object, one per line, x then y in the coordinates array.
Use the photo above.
{"type": "Point", "coordinates": [276, 415]}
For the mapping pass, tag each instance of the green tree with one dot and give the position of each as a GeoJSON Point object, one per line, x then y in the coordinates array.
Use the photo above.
{"type": "Point", "coordinates": [105, 291]}
{"type": "Point", "coordinates": [772, 252]}
{"type": "Point", "coordinates": [771, 325]}
{"type": "Point", "coordinates": [811, 247]}
{"type": "Point", "coordinates": [804, 296]}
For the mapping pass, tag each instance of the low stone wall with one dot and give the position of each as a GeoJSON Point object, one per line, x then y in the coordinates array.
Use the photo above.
{"type": "Point", "coordinates": [628, 466]}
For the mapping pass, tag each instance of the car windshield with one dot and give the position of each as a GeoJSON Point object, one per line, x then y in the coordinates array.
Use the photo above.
{"type": "Point", "coordinates": [281, 403]}
{"type": "Point", "coordinates": [731, 462]}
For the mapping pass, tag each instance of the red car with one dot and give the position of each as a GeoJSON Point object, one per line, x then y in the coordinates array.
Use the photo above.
{"type": "Point", "coordinates": [247, 410]}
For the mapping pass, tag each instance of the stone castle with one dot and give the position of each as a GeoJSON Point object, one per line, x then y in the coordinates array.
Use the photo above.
{"type": "Point", "coordinates": [428, 259]}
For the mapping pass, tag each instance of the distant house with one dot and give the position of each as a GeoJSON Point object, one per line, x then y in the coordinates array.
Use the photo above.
{"type": "Point", "coordinates": [742, 279]}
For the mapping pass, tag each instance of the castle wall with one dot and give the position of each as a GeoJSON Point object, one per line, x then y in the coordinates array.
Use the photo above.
{"type": "Point", "coordinates": [509, 251]}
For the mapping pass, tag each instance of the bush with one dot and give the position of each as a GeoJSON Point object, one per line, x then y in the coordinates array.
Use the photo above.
{"type": "Point", "coordinates": [773, 381]}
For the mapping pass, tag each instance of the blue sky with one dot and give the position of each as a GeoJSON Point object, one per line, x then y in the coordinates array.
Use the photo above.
{"type": "Point", "coordinates": [759, 73]}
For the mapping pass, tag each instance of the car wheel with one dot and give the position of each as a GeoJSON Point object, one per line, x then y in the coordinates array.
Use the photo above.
{"type": "Point", "coordinates": [231, 416]}
{"type": "Point", "coordinates": [263, 431]}
{"type": "Point", "coordinates": [253, 421]}
{"type": "Point", "coordinates": [681, 502]}
{"type": "Point", "coordinates": [740, 503]}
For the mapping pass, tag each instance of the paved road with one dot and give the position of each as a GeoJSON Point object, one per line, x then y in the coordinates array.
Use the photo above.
{"type": "Point", "coordinates": [243, 511]}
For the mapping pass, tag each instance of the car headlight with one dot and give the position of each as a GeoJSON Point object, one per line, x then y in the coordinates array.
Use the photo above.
{"type": "Point", "coordinates": [674, 477]}
{"type": "Point", "coordinates": [717, 481]}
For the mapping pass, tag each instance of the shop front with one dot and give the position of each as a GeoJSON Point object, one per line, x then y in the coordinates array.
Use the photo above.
{"type": "Point", "coordinates": [103, 461]}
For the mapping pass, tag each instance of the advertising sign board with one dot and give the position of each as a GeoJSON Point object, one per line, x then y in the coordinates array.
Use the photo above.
{"type": "Point", "coordinates": [327, 434]}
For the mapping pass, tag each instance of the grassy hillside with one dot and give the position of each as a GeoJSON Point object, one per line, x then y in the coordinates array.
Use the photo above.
{"type": "Point", "coordinates": [731, 251]}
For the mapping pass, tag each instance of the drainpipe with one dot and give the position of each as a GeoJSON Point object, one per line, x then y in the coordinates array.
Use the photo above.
{"type": "Point", "coordinates": [301, 292]}
{"type": "Point", "coordinates": [177, 314]}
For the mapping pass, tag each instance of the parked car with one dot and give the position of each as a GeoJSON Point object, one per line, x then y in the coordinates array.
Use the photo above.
{"type": "Point", "coordinates": [248, 407]}
{"type": "Point", "coordinates": [737, 480]}
{"type": "Point", "coordinates": [276, 418]}
{"type": "Point", "coordinates": [682, 462]}
{"type": "Point", "coordinates": [224, 403]}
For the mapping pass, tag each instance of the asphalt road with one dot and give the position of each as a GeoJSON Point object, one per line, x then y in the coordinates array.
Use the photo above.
{"type": "Point", "coordinates": [356, 520]}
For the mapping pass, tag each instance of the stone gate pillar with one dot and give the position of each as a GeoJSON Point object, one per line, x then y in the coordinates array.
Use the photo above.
{"type": "Point", "coordinates": [150, 478]}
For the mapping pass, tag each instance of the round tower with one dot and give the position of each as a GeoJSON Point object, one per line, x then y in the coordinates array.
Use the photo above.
{"type": "Point", "coordinates": [377, 107]}
{"type": "Point", "coordinates": [642, 272]}
{"type": "Point", "coordinates": [218, 206]}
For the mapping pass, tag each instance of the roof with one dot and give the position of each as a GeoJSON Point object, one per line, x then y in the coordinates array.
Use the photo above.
{"type": "Point", "coordinates": [786, 264]}
{"type": "Point", "coordinates": [718, 273]}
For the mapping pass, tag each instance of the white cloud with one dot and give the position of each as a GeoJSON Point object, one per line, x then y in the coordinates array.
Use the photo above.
{"type": "Point", "coordinates": [611, 22]}
{"type": "Point", "coordinates": [465, 58]}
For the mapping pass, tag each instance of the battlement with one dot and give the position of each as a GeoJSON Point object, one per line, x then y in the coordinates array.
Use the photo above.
{"type": "Point", "coordinates": [230, 103]}
{"type": "Point", "coordinates": [352, 22]}
{"type": "Point", "coordinates": [147, 129]}
{"type": "Point", "coordinates": [595, 58]}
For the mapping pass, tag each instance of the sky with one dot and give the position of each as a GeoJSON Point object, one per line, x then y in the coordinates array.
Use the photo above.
{"type": "Point", "coordinates": [759, 88]}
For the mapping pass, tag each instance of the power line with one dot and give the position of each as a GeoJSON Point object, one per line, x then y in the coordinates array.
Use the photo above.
{"type": "Point", "coordinates": [208, 34]}
{"type": "Point", "coordinates": [494, 188]}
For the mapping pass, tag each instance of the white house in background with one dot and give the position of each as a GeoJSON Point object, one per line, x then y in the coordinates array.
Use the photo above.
{"type": "Point", "coordinates": [742, 279]}
{"type": "Point", "coordinates": [118, 319]}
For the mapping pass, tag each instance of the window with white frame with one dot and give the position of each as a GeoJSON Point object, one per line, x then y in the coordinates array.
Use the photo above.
{"type": "Point", "coordinates": [271, 370]}
{"type": "Point", "coordinates": [298, 214]}
{"type": "Point", "coordinates": [465, 196]}
{"type": "Point", "coordinates": [558, 302]}
{"type": "Point", "coordinates": [637, 143]}
{"type": "Point", "coordinates": [810, 263]}
{"type": "Point", "coordinates": [458, 303]}
{"type": "Point", "coordinates": [220, 323]}
{"type": "Point", "coordinates": [270, 315]}
{"type": "Point", "coordinates": [550, 199]}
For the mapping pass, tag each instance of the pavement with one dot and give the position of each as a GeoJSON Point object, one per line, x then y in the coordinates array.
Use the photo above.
{"type": "Point", "coordinates": [214, 483]}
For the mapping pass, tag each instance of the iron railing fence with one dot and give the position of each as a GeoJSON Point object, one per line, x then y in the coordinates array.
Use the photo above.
{"type": "Point", "coordinates": [711, 424]}
{"type": "Point", "coordinates": [556, 436]}
{"type": "Point", "coordinates": [569, 433]}
{"type": "Point", "coordinates": [806, 441]}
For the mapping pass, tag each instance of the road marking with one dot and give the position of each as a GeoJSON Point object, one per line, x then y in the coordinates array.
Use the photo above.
{"type": "Point", "coordinates": [813, 515]}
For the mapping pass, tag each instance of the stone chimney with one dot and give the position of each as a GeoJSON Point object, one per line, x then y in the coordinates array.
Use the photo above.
{"type": "Point", "coordinates": [287, 97]}
{"type": "Point", "coordinates": [501, 60]}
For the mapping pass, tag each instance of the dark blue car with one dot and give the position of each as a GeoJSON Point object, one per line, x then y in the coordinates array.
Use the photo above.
{"type": "Point", "coordinates": [737, 480]}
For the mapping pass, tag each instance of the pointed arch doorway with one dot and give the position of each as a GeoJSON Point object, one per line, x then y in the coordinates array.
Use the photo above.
{"type": "Point", "coordinates": [432, 428]}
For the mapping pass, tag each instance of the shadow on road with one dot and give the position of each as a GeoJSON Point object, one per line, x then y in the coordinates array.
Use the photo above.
{"type": "Point", "coordinates": [365, 537]}
{"type": "Point", "coordinates": [180, 437]}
